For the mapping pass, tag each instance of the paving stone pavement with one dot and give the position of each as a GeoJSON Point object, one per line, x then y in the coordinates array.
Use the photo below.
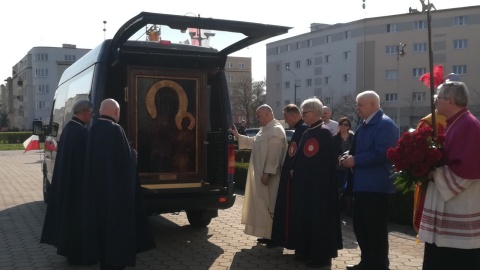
{"type": "Point", "coordinates": [222, 245]}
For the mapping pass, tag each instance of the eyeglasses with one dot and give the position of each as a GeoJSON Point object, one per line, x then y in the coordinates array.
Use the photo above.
{"type": "Point", "coordinates": [437, 97]}
{"type": "Point", "coordinates": [303, 113]}
{"type": "Point", "coordinates": [344, 124]}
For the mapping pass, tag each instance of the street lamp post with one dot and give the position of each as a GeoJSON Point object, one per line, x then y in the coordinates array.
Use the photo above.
{"type": "Point", "coordinates": [400, 53]}
{"type": "Point", "coordinates": [295, 87]}
{"type": "Point", "coordinates": [427, 8]}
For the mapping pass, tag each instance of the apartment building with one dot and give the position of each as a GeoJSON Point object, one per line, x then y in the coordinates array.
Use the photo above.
{"type": "Point", "coordinates": [34, 80]}
{"type": "Point", "coordinates": [238, 70]}
{"type": "Point", "coordinates": [386, 54]}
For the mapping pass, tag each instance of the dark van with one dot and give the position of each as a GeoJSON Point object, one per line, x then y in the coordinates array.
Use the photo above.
{"type": "Point", "coordinates": [175, 107]}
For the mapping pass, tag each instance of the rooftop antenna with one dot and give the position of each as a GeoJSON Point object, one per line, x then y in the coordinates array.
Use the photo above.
{"type": "Point", "coordinates": [104, 30]}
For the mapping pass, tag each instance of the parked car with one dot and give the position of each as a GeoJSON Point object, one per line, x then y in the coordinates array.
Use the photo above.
{"type": "Point", "coordinates": [289, 133]}
{"type": "Point", "coordinates": [252, 131]}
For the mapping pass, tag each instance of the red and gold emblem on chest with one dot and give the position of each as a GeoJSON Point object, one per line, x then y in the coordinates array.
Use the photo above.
{"type": "Point", "coordinates": [292, 149]}
{"type": "Point", "coordinates": [311, 147]}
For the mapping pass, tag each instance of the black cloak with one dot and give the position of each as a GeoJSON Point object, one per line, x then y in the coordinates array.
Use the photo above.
{"type": "Point", "coordinates": [62, 220]}
{"type": "Point", "coordinates": [315, 206]}
{"type": "Point", "coordinates": [282, 221]}
{"type": "Point", "coordinates": [114, 215]}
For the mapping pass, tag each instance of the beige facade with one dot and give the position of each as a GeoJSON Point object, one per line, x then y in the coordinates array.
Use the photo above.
{"type": "Point", "coordinates": [237, 70]}
{"type": "Point", "coordinates": [34, 81]}
{"type": "Point", "coordinates": [367, 54]}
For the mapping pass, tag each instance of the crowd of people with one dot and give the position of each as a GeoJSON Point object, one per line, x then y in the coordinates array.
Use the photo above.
{"type": "Point", "coordinates": [293, 195]}
{"type": "Point", "coordinates": [293, 191]}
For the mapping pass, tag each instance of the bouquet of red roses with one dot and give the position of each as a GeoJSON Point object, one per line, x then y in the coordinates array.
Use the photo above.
{"type": "Point", "coordinates": [414, 156]}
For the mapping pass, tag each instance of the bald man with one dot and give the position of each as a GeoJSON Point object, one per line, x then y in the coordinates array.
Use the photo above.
{"type": "Point", "coordinates": [372, 184]}
{"type": "Point", "coordinates": [115, 217]}
{"type": "Point", "coordinates": [263, 177]}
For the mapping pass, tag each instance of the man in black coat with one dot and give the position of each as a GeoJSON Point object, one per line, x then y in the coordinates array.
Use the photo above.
{"type": "Point", "coordinates": [115, 219]}
{"type": "Point", "coordinates": [282, 219]}
{"type": "Point", "coordinates": [62, 219]}
{"type": "Point", "coordinates": [315, 207]}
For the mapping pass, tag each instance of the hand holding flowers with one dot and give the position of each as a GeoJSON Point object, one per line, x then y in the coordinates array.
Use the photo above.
{"type": "Point", "coordinates": [415, 155]}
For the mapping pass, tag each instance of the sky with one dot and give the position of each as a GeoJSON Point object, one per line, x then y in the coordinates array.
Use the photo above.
{"type": "Point", "coordinates": [33, 23]}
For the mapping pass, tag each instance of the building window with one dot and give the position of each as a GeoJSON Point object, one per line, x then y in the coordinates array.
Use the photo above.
{"type": "Point", "coordinates": [41, 72]}
{"type": "Point", "coordinates": [297, 64]}
{"type": "Point", "coordinates": [460, 69]}
{"type": "Point", "coordinates": [42, 89]}
{"type": "Point", "coordinates": [328, 100]}
{"type": "Point", "coordinates": [420, 47]}
{"type": "Point", "coordinates": [299, 45]}
{"type": "Point", "coordinates": [419, 96]}
{"type": "Point", "coordinates": [41, 105]}
{"type": "Point", "coordinates": [278, 50]}
{"type": "Point", "coordinates": [417, 72]}
{"type": "Point", "coordinates": [392, 27]}
{"type": "Point", "coordinates": [287, 85]}
{"type": "Point", "coordinates": [391, 97]}
{"type": "Point", "coordinates": [70, 57]}
{"type": "Point", "coordinates": [277, 103]}
{"type": "Point", "coordinates": [391, 74]}
{"type": "Point", "coordinates": [287, 101]}
{"type": "Point", "coordinates": [328, 79]}
{"type": "Point", "coordinates": [346, 55]}
{"type": "Point", "coordinates": [309, 82]}
{"type": "Point", "coordinates": [460, 44]}
{"type": "Point", "coordinates": [287, 65]}
{"type": "Point", "coordinates": [287, 48]}
{"type": "Point", "coordinates": [230, 77]}
{"type": "Point", "coordinates": [328, 58]}
{"type": "Point", "coordinates": [348, 34]}
{"type": "Point", "coordinates": [229, 65]}
{"type": "Point", "coordinates": [277, 67]}
{"type": "Point", "coordinates": [241, 66]}
{"type": "Point", "coordinates": [417, 25]}
{"type": "Point", "coordinates": [391, 49]}
{"type": "Point", "coordinates": [309, 61]}
{"type": "Point", "coordinates": [309, 43]}
{"type": "Point", "coordinates": [329, 39]}
{"type": "Point", "coordinates": [41, 57]}
{"type": "Point", "coordinates": [460, 20]}
{"type": "Point", "coordinates": [242, 79]}
{"type": "Point", "coordinates": [346, 78]}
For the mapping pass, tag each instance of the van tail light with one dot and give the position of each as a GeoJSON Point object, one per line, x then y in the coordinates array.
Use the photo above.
{"type": "Point", "coordinates": [231, 161]}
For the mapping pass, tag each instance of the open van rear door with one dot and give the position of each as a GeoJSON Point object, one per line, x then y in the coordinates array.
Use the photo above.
{"type": "Point", "coordinates": [253, 32]}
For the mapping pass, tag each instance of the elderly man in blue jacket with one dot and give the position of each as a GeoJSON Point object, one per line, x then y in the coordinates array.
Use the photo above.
{"type": "Point", "coordinates": [372, 185]}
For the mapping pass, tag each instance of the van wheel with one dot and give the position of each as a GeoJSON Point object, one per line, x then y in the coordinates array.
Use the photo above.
{"type": "Point", "coordinates": [198, 218]}
{"type": "Point", "coordinates": [46, 189]}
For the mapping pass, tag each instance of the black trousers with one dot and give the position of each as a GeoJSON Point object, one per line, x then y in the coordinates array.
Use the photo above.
{"type": "Point", "coordinates": [370, 221]}
{"type": "Point", "coordinates": [443, 258]}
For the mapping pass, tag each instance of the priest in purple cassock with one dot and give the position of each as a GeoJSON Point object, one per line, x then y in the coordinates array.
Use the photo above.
{"type": "Point", "coordinates": [450, 224]}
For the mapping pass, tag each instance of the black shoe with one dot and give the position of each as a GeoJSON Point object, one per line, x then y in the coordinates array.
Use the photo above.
{"type": "Point", "coordinates": [80, 262]}
{"type": "Point", "coordinates": [271, 244]}
{"type": "Point", "coordinates": [300, 257]}
{"type": "Point", "coordinates": [355, 267]}
{"type": "Point", "coordinates": [325, 263]}
{"type": "Point", "coordinates": [263, 240]}
{"type": "Point", "coordinates": [110, 267]}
